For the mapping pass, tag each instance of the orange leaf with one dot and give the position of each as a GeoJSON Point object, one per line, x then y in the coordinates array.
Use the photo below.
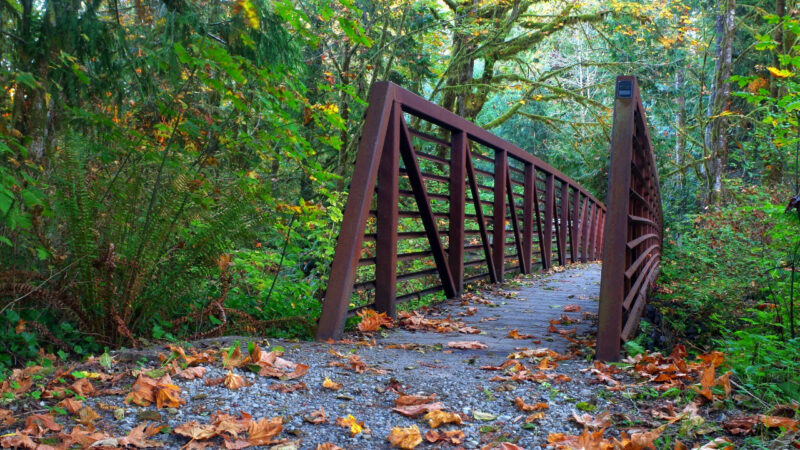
{"type": "Point", "coordinates": [406, 400]}
{"type": "Point", "coordinates": [87, 416]}
{"type": "Point", "coordinates": [415, 410]}
{"type": "Point", "coordinates": [332, 385]}
{"type": "Point", "coordinates": [317, 416]}
{"type": "Point", "coordinates": [262, 431]}
{"type": "Point", "coordinates": [372, 320]}
{"type": "Point", "coordinates": [466, 345]}
{"type": "Point", "coordinates": [234, 381]}
{"type": "Point", "coordinates": [777, 421]}
{"type": "Point", "coordinates": [572, 308]}
{"type": "Point", "coordinates": [439, 417]}
{"type": "Point", "coordinates": [454, 437]}
{"type": "Point", "coordinates": [328, 446]}
{"type": "Point", "coordinates": [70, 404]}
{"type": "Point", "coordinates": [169, 395]}
{"type": "Point", "coordinates": [405, 438]}
{"type": "Point", "coordinates": [526, 407]}
{"type": "Point", "coordinates": [534, 417]}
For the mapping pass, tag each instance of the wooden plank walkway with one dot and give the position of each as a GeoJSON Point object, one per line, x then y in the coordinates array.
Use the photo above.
{"type": "Point", "coordinates": [527, 308]}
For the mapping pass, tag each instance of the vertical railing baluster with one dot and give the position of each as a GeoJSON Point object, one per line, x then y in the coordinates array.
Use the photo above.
{"type": "Point", "coordinates": [549, 200]}
{"type": "Point", "coordinates": [498, 230]}
{"type": "Point", "coordinates": [458, 169]}
{"type": "Point", "coordinates": [564, 221]}
{"type": "Point", "coordinates": [386, 218]}
{"type": "Point", "coordinates": [527, 219]}
{"type": "Point", "coordinates": [574, 221]}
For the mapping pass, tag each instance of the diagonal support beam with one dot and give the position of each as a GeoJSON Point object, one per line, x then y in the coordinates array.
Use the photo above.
{"type": "Point", "coordinates": [426, 213]}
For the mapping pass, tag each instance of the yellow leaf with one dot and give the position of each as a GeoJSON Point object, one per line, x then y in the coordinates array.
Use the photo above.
{"type": "Point", "coordinates": [355, 426]}
{"type": "Point", "coordinates": [779, 73]}
{"type": "Point", "coordinates": [329, 384]}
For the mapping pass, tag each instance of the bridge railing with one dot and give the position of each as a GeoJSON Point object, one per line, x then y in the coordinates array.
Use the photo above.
{"type": "Point", "coordinates": [634, 230]}
{"type": "Point", "coordinates": [437, 202]}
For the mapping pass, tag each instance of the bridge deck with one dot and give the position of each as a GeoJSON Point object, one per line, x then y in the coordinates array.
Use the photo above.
{"type": "Point", "coordinates": [529, 311]}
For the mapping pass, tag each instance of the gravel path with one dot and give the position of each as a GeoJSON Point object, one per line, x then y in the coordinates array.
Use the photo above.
{"type": "Point", "coordinates": [409, 362]}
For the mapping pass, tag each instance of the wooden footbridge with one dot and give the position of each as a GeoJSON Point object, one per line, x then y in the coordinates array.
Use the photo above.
{"type": "Point", "coordinates": [436, 203]}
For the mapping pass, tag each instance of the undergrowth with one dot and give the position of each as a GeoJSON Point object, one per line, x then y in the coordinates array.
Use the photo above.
{"type": "Point", "coordinates": [728, 281]}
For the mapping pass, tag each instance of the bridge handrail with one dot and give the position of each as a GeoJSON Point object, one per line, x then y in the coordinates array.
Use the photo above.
{"type": "Point", "coordinates": [561, 211]}
{"type": "Point", "coordinates": [634, 229]}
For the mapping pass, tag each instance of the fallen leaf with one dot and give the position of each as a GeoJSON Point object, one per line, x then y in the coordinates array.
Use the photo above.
{"type": "Point", "coordinates": [526, 407]}
{"type": "Point", "coordinates": [355, 426]}
{"type": "Point", "coordinates": [169, 395]}
{"type": "Point", "coordinates": [405, 438]}
{"type": "Point", "coordinates": [38, 424]}
{"type": "Point", "coordinates": [286, 388]}
{"type": "Point", "coordinates": [718, 443]}
{"type": "Point", "coordinates": [87, 416]}
{"type": "Point", "coordinates": [372, 320]}
{"type": "Point", "coordinates": [743, 425]}
{"type": "Point", "coordinates": [601, 421]}
{"type": "Point", "coordinates": [439, 417]}
{"type": "Point", "coordinates": [406, 400]}
{"type": "Point", "coordinates": [777, 421]}
{"type": "Point", "coordinates": [234, 381]}
{"type": "Point", "coordinates": [317, 416]}
{"type": "Point", "coordinates": [572, 308]}
{"type": "Point", "coordinates": [416, 410]}
{"type": "Point", "coordinates": [71, 405]}
{"type": "Point", "coordinates": [299, 371]}
{"type": "Point", "coordinates": [196, 431]}
{"type": "Point", "coordinates": [534, 417]}
{"type": "Point", "coordinates": [263, 431]}
{"type": "Point", "coordinates": [478, 415]}
{"type": "Point", "coordinates": [454, 437]}
{"type": "Point", "coordinates": [137, 438]}
{"type": "Point", "coordinates": [328, 446]}
{"type": "Point", "coordinates": [17, 440]}
{"type": "Point", "coordinates": [332, 385]}
{"type": "Point", "coordinates": [514, 334]}
{"type": "Point", "coordinates": [190, 373]}
{"type": "Point", "coordinates": [83, 387]}
{"type": "Point", "coordinates": [466, 345]}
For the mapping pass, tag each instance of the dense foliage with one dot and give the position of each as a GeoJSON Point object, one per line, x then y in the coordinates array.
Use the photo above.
{"type": "Point", "coordinates": [174, 169]}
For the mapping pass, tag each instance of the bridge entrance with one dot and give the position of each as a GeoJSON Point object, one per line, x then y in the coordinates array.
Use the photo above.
{"type": "Point", "coordinates": [437, 202]}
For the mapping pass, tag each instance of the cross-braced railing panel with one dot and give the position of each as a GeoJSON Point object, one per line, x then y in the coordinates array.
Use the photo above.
{"type": "Point", "coordinates": [436, 202]}
{"type": "Point", "coordinates": [635, 224]}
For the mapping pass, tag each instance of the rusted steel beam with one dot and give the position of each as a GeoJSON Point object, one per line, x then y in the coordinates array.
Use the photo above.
{"type": "Point", "coordinates": [527, 217]}
{"type": "Point", "coordinates": [423, 203]}
{"type": "Point", "coordinates": [574, 226]}
{"type": "Point", "coordinates": [422, 108]}
{"type": "Point", "coordinates": [515, 223]}
{"type": "Point", "coordinates": [549, 207]}
{"type": "Point", "coordinates": [633, 223]}
{"type": "Point", "coordinates": [499, 226]}
{"type": "Point", "coordinates": [563, 223]}
{"type": "Point", "coordinates": [584, 231]}
{"type": "Point", "coordinates": [458, 171]}
{"type": "Point", "coordinates": [481, 220]}
{"type": "Point", "coordinates": [351, 236]}
{"type": "Point", "coordinates": [386, 218]}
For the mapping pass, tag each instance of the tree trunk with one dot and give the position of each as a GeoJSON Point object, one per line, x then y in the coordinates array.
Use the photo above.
{"type": "Point", "coordinates": [680, 122]}
{"type": "Point", "coordinates": [716, 132]}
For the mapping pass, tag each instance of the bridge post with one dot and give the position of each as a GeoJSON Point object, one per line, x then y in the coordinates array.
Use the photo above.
{"type": "Point", "coordinates": [612, 283]}
{"type": "Point", "coordinates": [386, 215]}
{"type": "Point", "coordinates": [584, 231]}
{"type": "Point", "coordinates": [351, 235]}
{"type": "Point", "coordinates": [549, 197]}
{"type": "Point", "coordinates": [527, 219]}
{"type": "Point", "coordinates": [563, 223]}
{"type": "Point", "coordinates": [574, 222]}
{"type": "Point", "coordinates": [499, 210]}
{"type": "Point", "coordinates": [458, 172]}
